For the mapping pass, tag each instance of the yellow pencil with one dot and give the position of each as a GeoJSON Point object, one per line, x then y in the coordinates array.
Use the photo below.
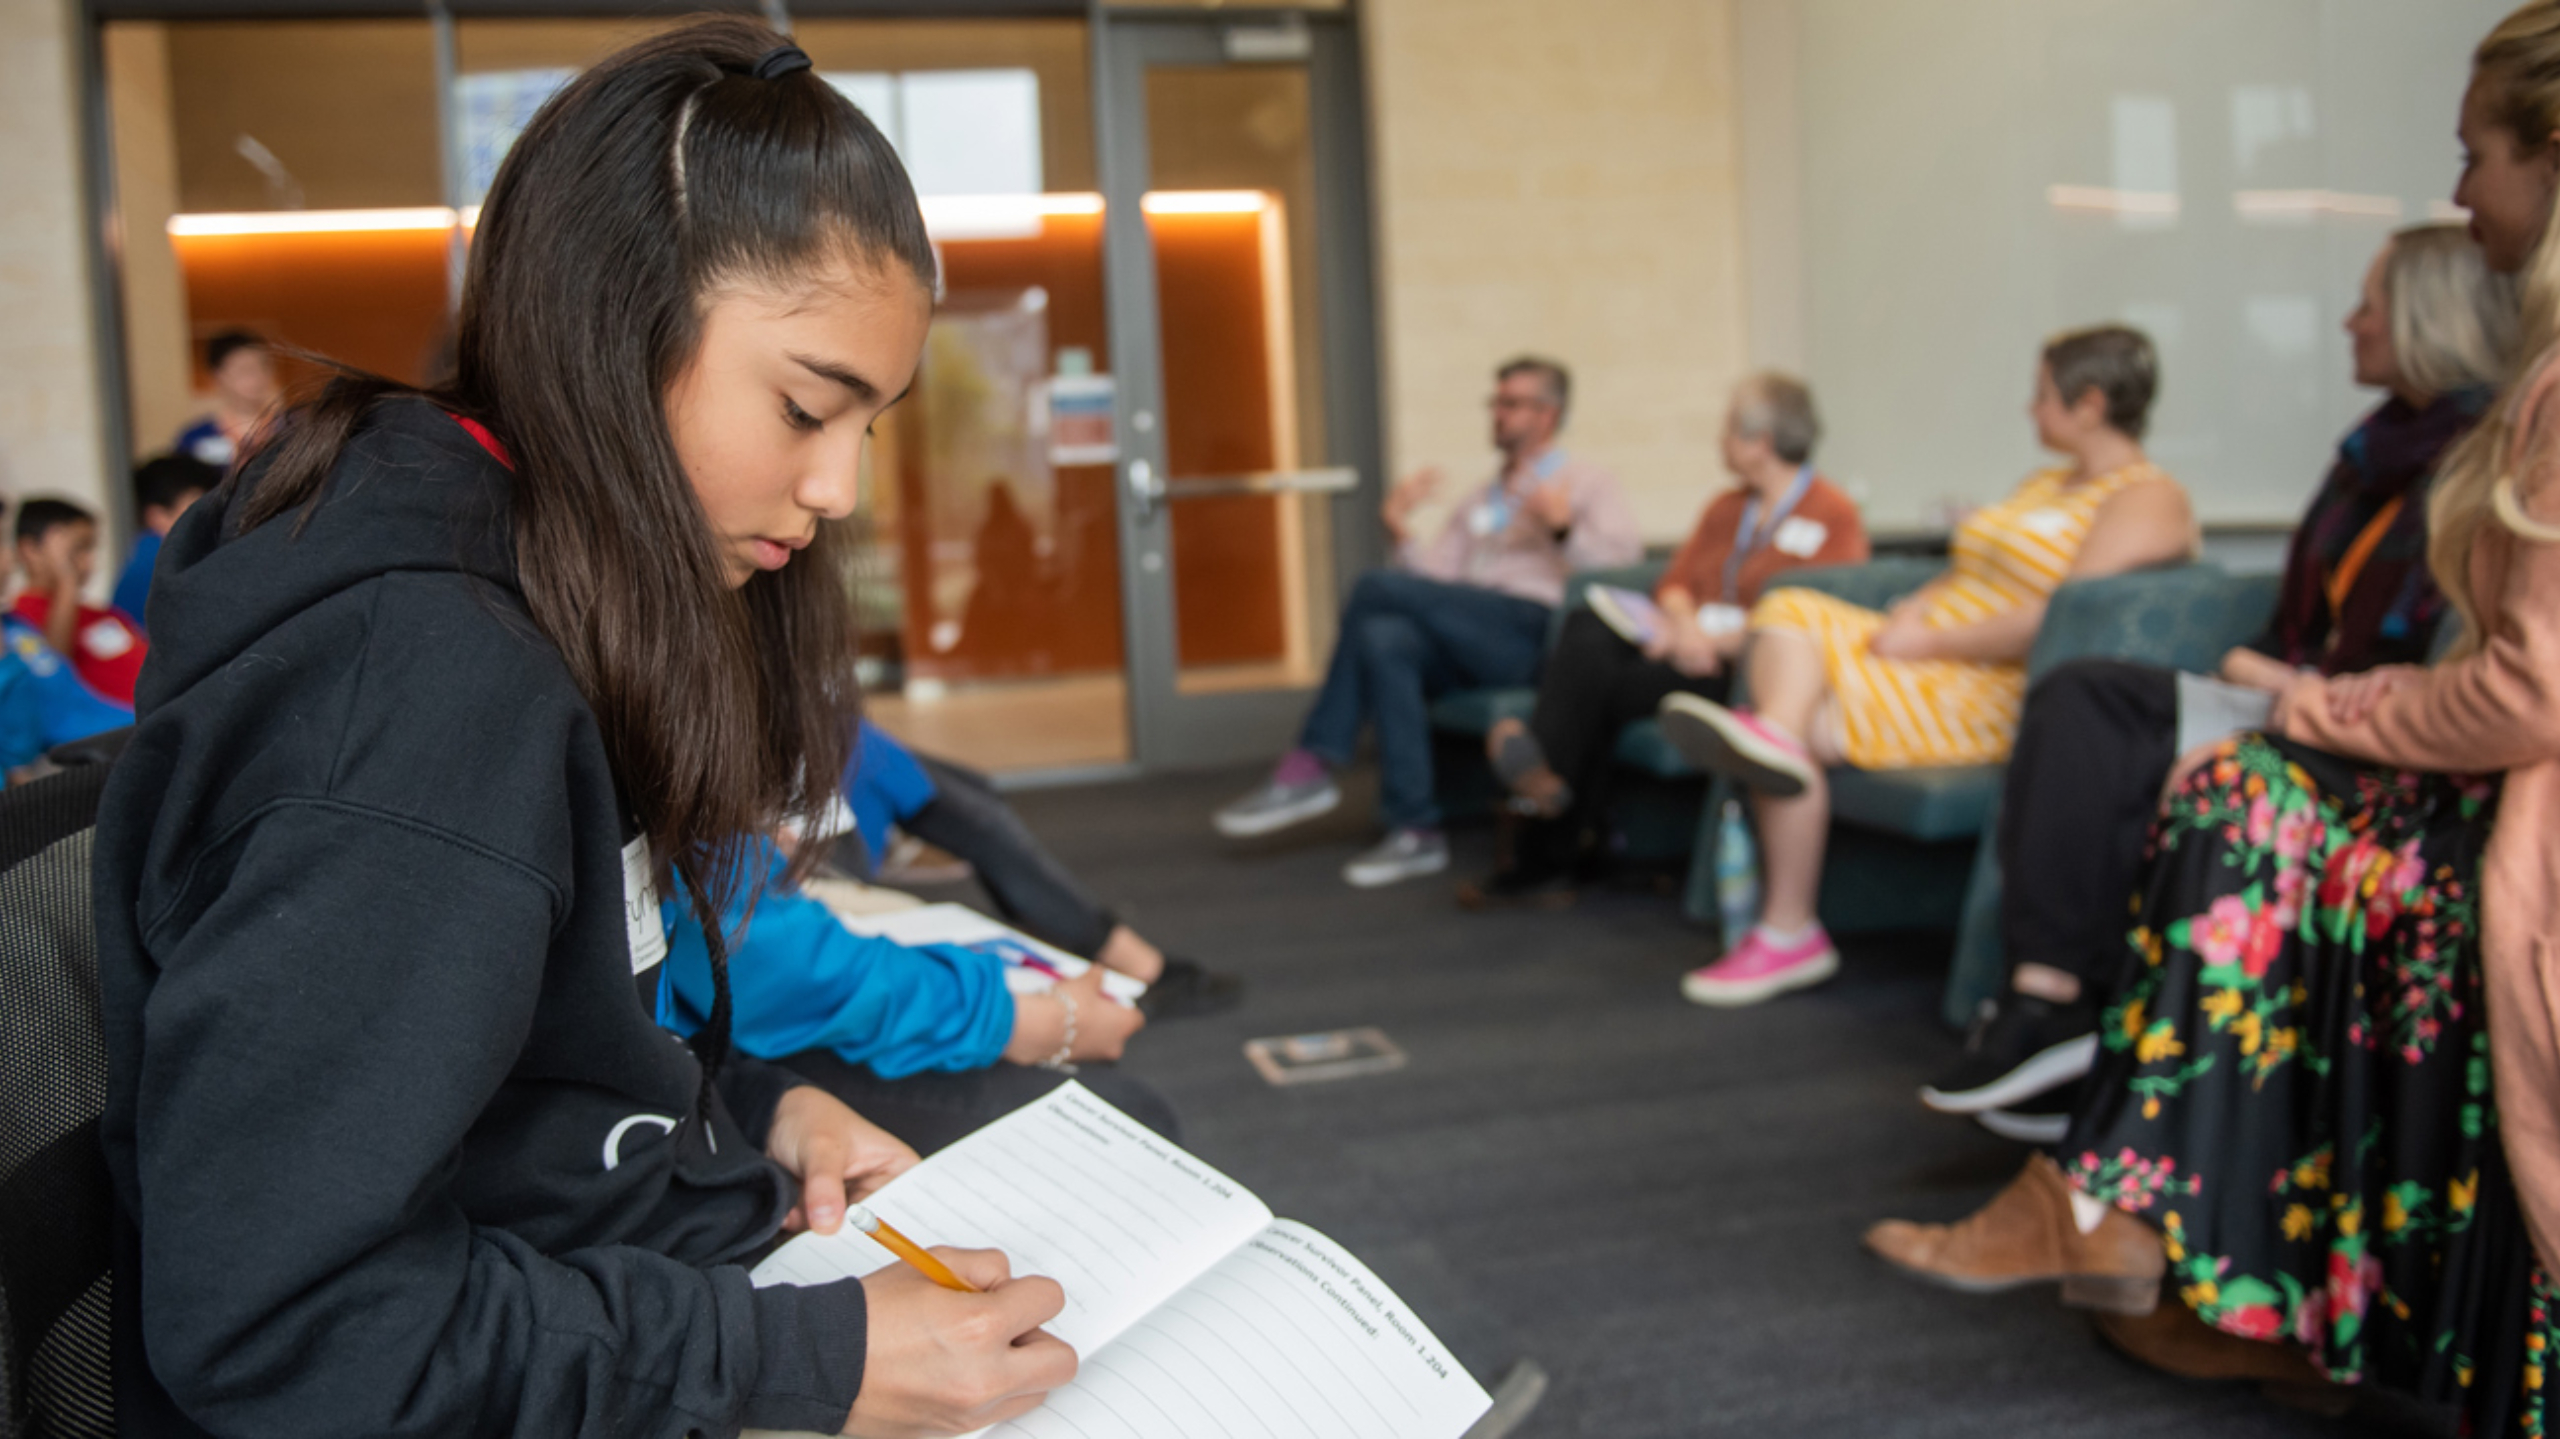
{"type": "Point", "coordinates": [861, 1217]}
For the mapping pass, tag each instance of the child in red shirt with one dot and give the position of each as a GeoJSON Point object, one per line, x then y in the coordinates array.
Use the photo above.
{"type": "Point", "coordinates": [57, 550]}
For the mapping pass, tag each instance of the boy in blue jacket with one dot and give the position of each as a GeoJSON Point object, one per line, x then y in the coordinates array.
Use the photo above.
{"type": "Point", "coordinates": [923, 1040]}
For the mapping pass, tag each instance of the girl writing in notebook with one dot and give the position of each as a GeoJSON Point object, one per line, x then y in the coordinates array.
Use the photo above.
{"type": "Point", "coordinates": [452, 680]}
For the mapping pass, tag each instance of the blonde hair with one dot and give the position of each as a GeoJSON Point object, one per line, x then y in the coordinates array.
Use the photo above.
{"type": "Point", "coordinates": [2453, 323]}
{"type": "Point", "coordinates": [2516, 73]}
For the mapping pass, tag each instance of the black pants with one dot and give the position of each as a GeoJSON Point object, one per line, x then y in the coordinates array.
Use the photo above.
{"type": "Point", "coordinates": [930, 1111]}
{"type": "Point", "coordinates": [1596, 685]}
{"type": "Point", "coordinates": [2094, 746]}
{"type": "Point", "coordinates": [1031, 890]}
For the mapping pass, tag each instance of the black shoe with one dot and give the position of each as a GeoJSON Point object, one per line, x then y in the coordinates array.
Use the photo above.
{"type": "Point", "coordinates": [1522, 887]}
{"type": "Point", "coordinates": [1185, 991]}
{"type": "Point", "coordinates": [2022, 1048]}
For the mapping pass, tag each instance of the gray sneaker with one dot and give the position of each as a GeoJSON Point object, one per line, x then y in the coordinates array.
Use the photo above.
{"type": "Point", "coordinates": [1403, 854]}
{"type": "Point", "coordinates": [1278, 804]}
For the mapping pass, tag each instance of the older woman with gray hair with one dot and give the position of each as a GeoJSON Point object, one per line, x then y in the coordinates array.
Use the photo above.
{"type": "Point", "coordinates": [1616, 659]}
{"type": "Point", "coordinates": [2434, 331]}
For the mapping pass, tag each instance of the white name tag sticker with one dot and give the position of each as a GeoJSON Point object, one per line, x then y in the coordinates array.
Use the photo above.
{"type": "Point", "coordinates": [835, 818]}
{"type": "Point", "coordinates": [640, 907]}
{"type": "Point", "coordinates": [1716, 619]}
{"type": "Point", "coordinates": [106, 639]}
{"type": "Point", "coordinates": [2047, 524]}
{"type": "Point", "coordinates": [1800, 537]}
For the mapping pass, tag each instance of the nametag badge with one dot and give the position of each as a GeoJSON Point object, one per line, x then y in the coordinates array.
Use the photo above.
{"type": "Point", "coordinates": [833, 818]}
{"type": "Point", "coordinates": [2046, 524]}
{"type": "Point", "coordinates": [106, 639]}
{"type": "Point", "coordinates": [1799, 537]}
{"type": "Point", "coordinates": [640, 919]}
{"type": "Point", "coordinates": [1721, 619]}
{"type": "Point", "coordinates": [1490, 518]}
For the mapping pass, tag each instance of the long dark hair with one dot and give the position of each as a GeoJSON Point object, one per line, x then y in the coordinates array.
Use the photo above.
{"type": "Point", "coordinates": [667, 169]}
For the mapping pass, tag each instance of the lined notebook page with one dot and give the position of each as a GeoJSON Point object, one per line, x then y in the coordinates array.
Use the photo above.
{"type": "Point", "coordinates": [1068, 1187]}
{"type": "Point", "coordinates": [1287, 1338]}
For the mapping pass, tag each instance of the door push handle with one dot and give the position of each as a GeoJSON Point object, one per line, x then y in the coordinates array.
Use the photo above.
{"type": "Point", "coordinates": [1146, 488]}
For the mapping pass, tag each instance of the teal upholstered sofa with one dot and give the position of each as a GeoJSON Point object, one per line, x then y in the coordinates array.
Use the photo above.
{"type": "Point", "coordinates": [1906, 851]}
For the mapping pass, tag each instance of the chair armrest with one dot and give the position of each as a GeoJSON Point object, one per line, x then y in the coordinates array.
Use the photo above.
{"type": "Point", "coordinates": [2182, 616]}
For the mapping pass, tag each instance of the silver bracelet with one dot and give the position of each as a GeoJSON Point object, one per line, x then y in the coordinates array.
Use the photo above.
{"type": "Point", "coordinates": [1061, 1061]}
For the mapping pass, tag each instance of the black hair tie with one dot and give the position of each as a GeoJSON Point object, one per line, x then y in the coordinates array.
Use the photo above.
{"type": "Point", "coordinates": [781, 60]}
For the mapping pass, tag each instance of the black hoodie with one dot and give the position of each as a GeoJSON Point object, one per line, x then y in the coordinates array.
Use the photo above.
{"type": "Point", "coordinates": [397, 1146]}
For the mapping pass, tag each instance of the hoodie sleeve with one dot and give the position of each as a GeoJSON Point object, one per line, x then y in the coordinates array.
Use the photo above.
{"type": "Point", "coordinates": [799, 980]}
{"type": "Point", "coordinates": [321, 1038]}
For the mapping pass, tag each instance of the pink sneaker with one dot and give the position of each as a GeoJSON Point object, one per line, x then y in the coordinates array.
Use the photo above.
{"type": "Point", "coordinates": [1756, 970]}
{"type": "Point", "coordinates": [1737, 743]}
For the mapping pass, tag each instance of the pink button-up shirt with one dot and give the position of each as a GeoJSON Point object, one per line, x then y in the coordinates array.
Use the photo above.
{"type": "Point", "coordinates": [1493, 541]}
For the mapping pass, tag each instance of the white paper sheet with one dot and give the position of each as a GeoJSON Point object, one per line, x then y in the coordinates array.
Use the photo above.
{"type": "Point", "coordinates": [1068, 1187]}
{"type": "Point", "coordinates": [1194, 1313]}
{"type": "Point", "coordinates": [958, 924]}
{"type": "Point", "coordinates": [2210, 709]}
{"type": "Point", "coordinates": [1287, 1338]}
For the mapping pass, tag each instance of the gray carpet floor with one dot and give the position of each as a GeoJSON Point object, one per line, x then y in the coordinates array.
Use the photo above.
{"type": "Point", "coordinates": [1658, 1203]}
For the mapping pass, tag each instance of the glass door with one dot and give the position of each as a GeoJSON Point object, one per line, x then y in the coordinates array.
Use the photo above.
{"type": "Point", "coordinates": [1244, 390]}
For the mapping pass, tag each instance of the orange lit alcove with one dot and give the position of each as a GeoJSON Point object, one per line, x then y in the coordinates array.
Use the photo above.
{"type": "Point", "coordinates": [376, 299]}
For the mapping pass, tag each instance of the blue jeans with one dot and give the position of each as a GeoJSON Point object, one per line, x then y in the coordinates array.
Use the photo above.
{"type": "Point", "coordinates": [1405, 641]}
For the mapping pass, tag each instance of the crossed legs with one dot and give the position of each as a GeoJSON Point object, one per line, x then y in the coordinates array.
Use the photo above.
{"type": "Point", "coordinates": [1791, 689]}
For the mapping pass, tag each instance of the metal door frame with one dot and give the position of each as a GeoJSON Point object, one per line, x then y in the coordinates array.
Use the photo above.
{"type": "Point", "coordinates": [1168, 729]}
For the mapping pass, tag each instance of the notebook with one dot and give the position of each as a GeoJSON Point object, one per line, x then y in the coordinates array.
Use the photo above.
{"type": "Point", "coordinates": [1195, 1313]}
{"type": "Point", "coordinates": [1030, 966]}
{"type": "Point", "coordinates": [2211, 709]}
{"type": "Point", "coordinates": [1637, 619]}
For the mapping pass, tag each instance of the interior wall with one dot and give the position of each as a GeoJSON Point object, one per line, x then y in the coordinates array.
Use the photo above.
{"type": "Point", "coordinates": [1563, 179]}
{"type": "Point", "coordinates": [160, 397]}
{"type": "Point", "coordinates": [52, 439]}
{"type": "Point", "coordinates": [347, 107]}
{"type": "Point", "coordinates": [1978, 174]}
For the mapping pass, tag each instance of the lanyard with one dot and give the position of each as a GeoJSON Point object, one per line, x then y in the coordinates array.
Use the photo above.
{"type": "Point", "coordinates": [2342, 580]}
{"type": "Point", "coordinates": [1493, 515]}
{"type": "Point", "coordinates": [1747, 539]}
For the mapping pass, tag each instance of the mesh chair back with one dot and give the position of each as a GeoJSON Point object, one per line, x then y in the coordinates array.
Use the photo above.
{"type": "Point", "coordinates": [55, 1201]}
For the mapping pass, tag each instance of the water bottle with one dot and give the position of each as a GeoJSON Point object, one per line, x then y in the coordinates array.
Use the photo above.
{"type": "Point", "coordinates": [1737, 874]}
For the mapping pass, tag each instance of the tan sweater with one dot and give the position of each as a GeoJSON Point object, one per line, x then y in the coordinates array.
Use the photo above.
{"type": "Point", "coordinates": [2499, 709]}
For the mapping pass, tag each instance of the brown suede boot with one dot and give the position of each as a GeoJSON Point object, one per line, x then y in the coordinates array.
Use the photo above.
{"type": "Point", "coordinates": [2025, 1235]}
{"type": "Point", "coordinates": [2173, 1340]}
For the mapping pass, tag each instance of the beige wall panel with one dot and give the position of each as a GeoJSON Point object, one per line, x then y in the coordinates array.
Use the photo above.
{"type": "Point", "coordinates": [50, 437]}
{"type": "Point", "coordinates": [348, 107]}
{"type": "Point", "coordinates": [1564, 180]}
{"type": "Point", "coordinates": [159, 389]}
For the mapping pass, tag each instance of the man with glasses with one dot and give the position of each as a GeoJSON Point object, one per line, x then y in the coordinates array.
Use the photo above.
{"type": "Point", "coordinates": [1464, 608]}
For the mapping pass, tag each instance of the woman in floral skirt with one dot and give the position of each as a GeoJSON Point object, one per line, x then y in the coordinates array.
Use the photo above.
{"type": "Point", "coordinates": [2327, 1105]}
{"type": "Point", "coordinates": [2309, 948]}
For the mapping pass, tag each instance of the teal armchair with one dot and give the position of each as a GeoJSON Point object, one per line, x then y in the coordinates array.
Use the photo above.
{"type": "Point", "coordinates": [2186, 617]}
{"type": "Point", "coordinates": [1907, 847]}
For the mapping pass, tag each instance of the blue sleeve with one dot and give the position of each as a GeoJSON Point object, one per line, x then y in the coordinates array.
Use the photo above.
{"type": "Point", "coordinates": [882, 786]}
{"type": "Point", "coordinates": [798, 980]}
{"type": "Point", "coordinates": [21, 715]}
{"type": "Point", "coordinates": [133, 587]}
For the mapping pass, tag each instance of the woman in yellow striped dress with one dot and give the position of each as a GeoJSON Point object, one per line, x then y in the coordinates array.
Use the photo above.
{"type": "Point", "coordinates": [1940, 678]}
